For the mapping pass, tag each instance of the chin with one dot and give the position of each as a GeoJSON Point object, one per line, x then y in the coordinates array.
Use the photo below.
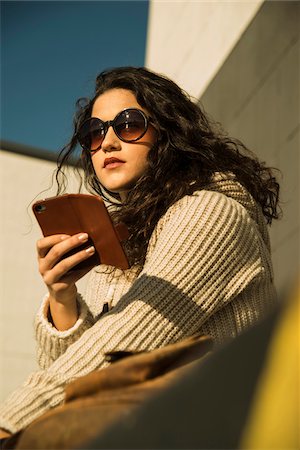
{"type": "Point", "coordinates": [119, 188]}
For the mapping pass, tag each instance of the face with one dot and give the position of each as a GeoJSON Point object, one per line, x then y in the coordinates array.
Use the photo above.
{"type": "Point", "coordinates": [130, 158]}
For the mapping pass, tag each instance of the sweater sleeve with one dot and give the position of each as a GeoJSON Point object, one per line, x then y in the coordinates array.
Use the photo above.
{"type": "Point", "coordinates": [203, 252]}
{"type": "Point", "coordinates": [52, 343]}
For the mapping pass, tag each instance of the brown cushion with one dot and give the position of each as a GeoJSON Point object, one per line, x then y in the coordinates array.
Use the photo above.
{"type": "Point", "coordinates": [96, 400]}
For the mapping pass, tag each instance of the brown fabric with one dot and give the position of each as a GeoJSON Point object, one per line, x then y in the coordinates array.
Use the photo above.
{"type": "Point", "coordinates": [95, 401]}
{"type": "Point", "coordinates": [140, 367]}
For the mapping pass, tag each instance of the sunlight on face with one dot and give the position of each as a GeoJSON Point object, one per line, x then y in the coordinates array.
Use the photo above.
{"type": "Point", "coordinates": [118, 165]}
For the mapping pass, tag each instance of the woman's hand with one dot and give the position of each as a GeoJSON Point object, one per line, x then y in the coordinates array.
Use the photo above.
{"type": "Point", "coordinates": [56, 274]}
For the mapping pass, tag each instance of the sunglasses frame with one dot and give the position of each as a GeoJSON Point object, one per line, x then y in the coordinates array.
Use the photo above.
{"type": "Point", "coordinates": [111, 123]}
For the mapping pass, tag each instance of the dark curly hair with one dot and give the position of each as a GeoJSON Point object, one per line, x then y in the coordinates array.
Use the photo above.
{"type": "Point", "coordinates": [189, 150]}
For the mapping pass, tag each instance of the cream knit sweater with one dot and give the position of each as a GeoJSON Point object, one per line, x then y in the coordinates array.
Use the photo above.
{"type": "Point", "coordinates": [207, 269]}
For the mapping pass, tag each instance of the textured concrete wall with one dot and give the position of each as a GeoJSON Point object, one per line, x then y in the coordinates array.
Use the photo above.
{"type": "Point", "coordinates": [255, 96]}
{"type": "Point", "coordinates": [22, 179]}
{"type": "Point", "coordinates": [189, 40]}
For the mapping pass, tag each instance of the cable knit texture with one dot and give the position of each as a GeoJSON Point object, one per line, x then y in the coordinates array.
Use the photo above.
{"type": "Point", "coordinates": [207, 269]}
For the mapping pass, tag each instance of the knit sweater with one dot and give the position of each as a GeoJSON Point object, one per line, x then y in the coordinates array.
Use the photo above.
{"type": "Point", "coordinates": [207, 269]}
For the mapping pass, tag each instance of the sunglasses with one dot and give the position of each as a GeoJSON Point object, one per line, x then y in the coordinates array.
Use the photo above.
{"type": "Point", "coordinates": [129, 125]}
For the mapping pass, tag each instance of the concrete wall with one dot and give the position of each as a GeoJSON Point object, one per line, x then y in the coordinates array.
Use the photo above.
{"type": "Point", "coordinates": [190, 40]}
{"type": "Point", "coordinates": [22, 179]}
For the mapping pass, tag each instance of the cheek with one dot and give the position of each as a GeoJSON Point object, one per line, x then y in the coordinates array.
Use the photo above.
{"type": "Point", "coordinates": [97, 163]}
{"type": "Point", "coordinates": [142, 161]}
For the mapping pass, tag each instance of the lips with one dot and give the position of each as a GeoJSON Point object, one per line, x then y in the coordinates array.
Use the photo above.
{"type": "Point", "coordinates": [110, 161]}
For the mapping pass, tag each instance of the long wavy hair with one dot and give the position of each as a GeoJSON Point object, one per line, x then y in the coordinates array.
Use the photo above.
{"type": "Point", "coordinates": [190, 148]}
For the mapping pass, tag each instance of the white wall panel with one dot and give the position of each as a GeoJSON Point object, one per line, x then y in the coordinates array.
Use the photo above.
{"type": "Point", "coordinates": [189, 40]}
{"type": "Point", "coordinates": [21, 288]}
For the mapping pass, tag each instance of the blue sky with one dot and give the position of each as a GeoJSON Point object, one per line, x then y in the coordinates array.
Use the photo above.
{"type": "Point", "coordinates": [51, 54]}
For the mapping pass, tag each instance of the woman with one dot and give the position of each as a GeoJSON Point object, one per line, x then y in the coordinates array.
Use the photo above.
{"type": "Point", "coordinates": [196, 206]}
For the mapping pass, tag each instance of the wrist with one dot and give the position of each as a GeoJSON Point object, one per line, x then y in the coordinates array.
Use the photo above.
{"type": "Point", "coordinates": [66, 298]}
{"type": "Point", "coordinates": [46, 324]}
{"type": "Point", "coordinates": [63, 315]}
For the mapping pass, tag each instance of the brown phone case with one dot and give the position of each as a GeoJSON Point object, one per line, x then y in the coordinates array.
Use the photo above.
{"type": "Point", "coordinates": [76, 213]}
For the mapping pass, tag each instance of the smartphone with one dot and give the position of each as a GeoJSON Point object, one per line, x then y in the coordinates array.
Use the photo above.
{"type": "Point", "coordinates": [83, 213]}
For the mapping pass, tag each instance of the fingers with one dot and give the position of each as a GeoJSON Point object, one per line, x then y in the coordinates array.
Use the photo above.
{"type": "Point", "coordinates": [54, 247]}
{"type": "Point", "coordinates": [52, 250]}
{"type": "Point", "coordinates": [54, 274]}
{"type": "Point", "coordinates": [45, 244]}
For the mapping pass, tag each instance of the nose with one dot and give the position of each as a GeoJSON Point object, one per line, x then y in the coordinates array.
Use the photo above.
{"type": "Point", "coordinates": [111, 141]}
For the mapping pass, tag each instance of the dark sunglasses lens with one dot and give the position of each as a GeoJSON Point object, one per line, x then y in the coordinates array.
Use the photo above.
{"type": "Point", "coordinates": [91, 134]}
{"type": "Point", "coordinates": [130, 125]}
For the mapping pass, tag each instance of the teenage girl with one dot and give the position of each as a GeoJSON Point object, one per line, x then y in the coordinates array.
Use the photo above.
{"type": "Point", "coordinates": [196, 204]}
